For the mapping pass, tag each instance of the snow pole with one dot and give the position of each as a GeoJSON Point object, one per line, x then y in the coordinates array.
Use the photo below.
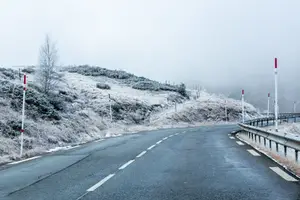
{"type": "Point", "coordinates": [110, 111]}
{"type": "Point", "coordinates": [276, 96]}
{"type": "Point", "coordinates": [23, 114]}
{"type": "Point", "coordinates": [243, 109]}
{"type": "Point", "coordinates": [268, 113]}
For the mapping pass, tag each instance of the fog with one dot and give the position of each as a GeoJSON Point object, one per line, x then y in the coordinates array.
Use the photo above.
{"type": "Point", "coordinates": [223, 46]}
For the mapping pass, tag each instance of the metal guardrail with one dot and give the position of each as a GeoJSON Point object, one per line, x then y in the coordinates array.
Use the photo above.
{"type": "Point", "coordinates": [282, 117]}
{"type": "Point", "coordinates": [257, 134]}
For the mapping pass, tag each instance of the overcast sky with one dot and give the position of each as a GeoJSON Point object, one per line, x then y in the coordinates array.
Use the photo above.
{"type": "Point", "coordinates": [215, 42]}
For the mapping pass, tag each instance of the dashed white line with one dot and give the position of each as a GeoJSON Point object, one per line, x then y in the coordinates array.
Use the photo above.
{"type": "Point", "coordinates": [240, 143]}
{"type": "Point", "coordinates": [159, 142]}
{"type": "Point", "coordinates": [141, 154]}
{"type": "Point", "coordinates": [254, 153]}
{"type": "Point", "coordinates": [151, 147]}
{"type": "Point", "coordinates": [176, 133]}
{"type": "Point", "coordinates": [126, 164]}
{"type": "Point", "coordinates": [171, 136]}
{"type": "Point", "coordinates": [13, 163]}
{"type": "Point", "coordinates": [283, 174]}
{"type": "Point", "coordinates": [165, 138]}
{"type": "Point", "coordinates": [94, 187]}
{"type": "Point", "coordinates": [231, 137]}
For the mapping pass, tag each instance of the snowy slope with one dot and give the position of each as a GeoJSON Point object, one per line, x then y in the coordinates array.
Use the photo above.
{"type": "Point", "coordinates": [78, 111]}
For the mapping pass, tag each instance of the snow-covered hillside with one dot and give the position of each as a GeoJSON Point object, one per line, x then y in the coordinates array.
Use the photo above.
{"type": "Point", "coordinates": [78, 111]}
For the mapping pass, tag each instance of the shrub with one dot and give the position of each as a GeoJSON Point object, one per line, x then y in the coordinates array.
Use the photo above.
{"type": "Point", "coordinates": [103, 86]}
{"type": "Point", "coordinates": [182, 90]}
{"type": "Point", "coordinates": [29, 70]}
{"type": "Point", "coordinates": [146, 85]}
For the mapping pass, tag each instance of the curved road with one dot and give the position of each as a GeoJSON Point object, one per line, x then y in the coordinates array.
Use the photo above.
{"type": "Point", "coordinates": [191, 163]}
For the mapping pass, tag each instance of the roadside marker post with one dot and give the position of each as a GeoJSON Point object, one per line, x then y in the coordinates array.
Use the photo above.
{"type": "Point", "coordinates": [243, 109]}
{"type": "Point", "coordinates": [268, 113]}
{"type": "Point", "coordinates": [276, 96]}
{"type": "Point", "coordinates": [23, 114]}
{"type": "Point", "coordinates": [110, 111]}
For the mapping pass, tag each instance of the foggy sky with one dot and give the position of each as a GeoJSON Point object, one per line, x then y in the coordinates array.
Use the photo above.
{"type": "Point", "coordinates": [223, 45]}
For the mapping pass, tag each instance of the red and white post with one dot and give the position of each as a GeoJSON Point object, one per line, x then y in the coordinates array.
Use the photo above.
{"type": "Point", "coordinates": [276, 96]}
{"type": "Point", "coordinates": [23, 114]}
{"type": "Point", "coordinates": [243, 109]}
{"type": "Point", "coordinates": [268, 113]}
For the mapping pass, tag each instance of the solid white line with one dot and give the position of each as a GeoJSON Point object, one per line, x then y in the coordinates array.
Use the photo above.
{"type": "Point", "coordinates": [17, 162]}
{"type": "Point", "coordinates": [151, 147]}
{"type": "Point", "coordinates": [254, 153]}
{"type": "Point", "coordinates": [159, 142]}
{"type": "Point", "coordinates": [91, 189]}
{"type": "Point", "coordinates": [165, 138]}
{"type": "Point", "coordinates": [240, 143]}
{"type": "Point", "coordinates": [141, 154]}
{"type": "Point", "coordinates": [231, 137]}
{"type": "Point", "coordinates": [283, 174]}
{"type": "Point", "coordinates": [126, 164]}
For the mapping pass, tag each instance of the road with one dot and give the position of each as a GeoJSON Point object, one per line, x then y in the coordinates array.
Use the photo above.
{"type": "Point", "coordinates": [192, 163]}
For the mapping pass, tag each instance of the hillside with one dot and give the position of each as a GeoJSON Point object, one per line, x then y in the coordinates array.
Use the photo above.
{"type": "Point", "coordinates": [78, 110]}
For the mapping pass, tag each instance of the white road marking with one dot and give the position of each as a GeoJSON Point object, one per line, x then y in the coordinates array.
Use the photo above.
{"type": "Point", "coordinates": [165, 138]}
{"type": "Point", "coordinates": [231, 137]}
{"type": "Point", "coordinates": [141, 154]}
{"type": "Point", "coordinates": [13, 163]}
{"type": "Point", "coordinates": [254, 153]}
{"type": "Point", "coordinates": [126, 164]}
{"type": "Point", "coordinates": [151, 147]}
{"type": "Point", "coordinates": [240, 143]}
{"type": "Point", "coordinates": [184, 132]}
{"type": "Point", "coordinates": [171, 136]}
{"type": "Point", "coordinates": [94, 187]}
{"type": "Point", "coordinates": [283, 174]}
{"type": "Point", "coordinates": [176, 133]}
{"type": "Point", "coordinates": [99, 140]}
{"type": "Point", "coordinates": [159, 142]}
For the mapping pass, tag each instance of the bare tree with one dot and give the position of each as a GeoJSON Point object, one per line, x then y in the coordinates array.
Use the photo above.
{"type": "Point", "coordinates": [48, 59]}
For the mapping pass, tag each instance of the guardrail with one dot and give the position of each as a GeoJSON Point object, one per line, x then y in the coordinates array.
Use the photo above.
{"type": "Point", "coordinates": [282, 117]}
{"type": "Point", "coordinates": [258, 134]}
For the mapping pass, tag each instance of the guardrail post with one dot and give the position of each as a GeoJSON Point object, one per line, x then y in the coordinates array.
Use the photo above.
{"type": "Point", "coordinates": [265, 141]}
{"type": "Point", "coordinates": [276, 147]}
{"type": "Point", "coordinates": [296, 155]}
{"type": "Point", "coordinates": [252, 135]}
{"type": "Point", "coordinates": [255, 137]}
{"type": "Point", "coordinates": [261, 123]}
{"type": "Point", "coordinates": [295, 119]}
{"type": "Point", "coordinates": [270, 144]}
{"type": "Point", "coordinates": [267, 122]}
{"type": "Point", "coordinates": [249, 135]}
{"type": "Point", "coordinates": [259, 139]}
{"type": "Point", "coordinates": [285, 150]}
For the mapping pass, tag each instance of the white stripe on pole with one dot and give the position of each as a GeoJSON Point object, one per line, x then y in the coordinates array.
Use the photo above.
{"type": "Point", "coordinates": [268, 105]}
{"type": "Point", "coordinates": [243, 109]}
{"type": "Point", "coordinates": [23, 115]}
{"type": "Point", "coordinates": [276, 96]}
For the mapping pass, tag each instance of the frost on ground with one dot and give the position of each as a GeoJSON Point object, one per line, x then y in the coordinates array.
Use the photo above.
{"type": "Point", "coordinates": [79, 110]}
{"type": "Point", "coordinates": [291, 130]}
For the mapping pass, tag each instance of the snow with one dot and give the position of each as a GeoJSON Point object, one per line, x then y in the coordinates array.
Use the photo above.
{"type": "Point", "coordinates": [290, 130]}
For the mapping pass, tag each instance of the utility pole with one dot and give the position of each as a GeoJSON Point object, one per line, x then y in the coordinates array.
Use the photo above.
{"type": "Point", "coordinates": [276, 96]}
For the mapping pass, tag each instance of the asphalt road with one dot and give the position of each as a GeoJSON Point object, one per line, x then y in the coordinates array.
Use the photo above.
{"type": "Point", "coordinates": [192, 163]}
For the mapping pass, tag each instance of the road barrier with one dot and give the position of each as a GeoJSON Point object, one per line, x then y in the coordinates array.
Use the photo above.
{"type": "Point", "coordinates": [268, 138]}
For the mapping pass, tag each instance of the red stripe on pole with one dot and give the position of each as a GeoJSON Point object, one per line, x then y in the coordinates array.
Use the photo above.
{"type": "Point", "coordinates": [24, 79]}
{"type": "Point", "coordinates": [22, 130]}
{"type": "Point", "coordinates": [268, 94]}
{"type": "Point", "coordinates": [275, 63]}
{"type": "Point", "coordinates": [243, 91]}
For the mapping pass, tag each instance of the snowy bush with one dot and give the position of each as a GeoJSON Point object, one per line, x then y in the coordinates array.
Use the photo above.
{"type": "Point", "coordinates": [29, 70]}
{"type": "Point", "coordinates": [103, 86]}
{"type": "Point", "coordinates": [146, 85]}
{"type": "Point", "coordinates": [8, 73]}
{"type": "Point", "coordinates": [182, 90]}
